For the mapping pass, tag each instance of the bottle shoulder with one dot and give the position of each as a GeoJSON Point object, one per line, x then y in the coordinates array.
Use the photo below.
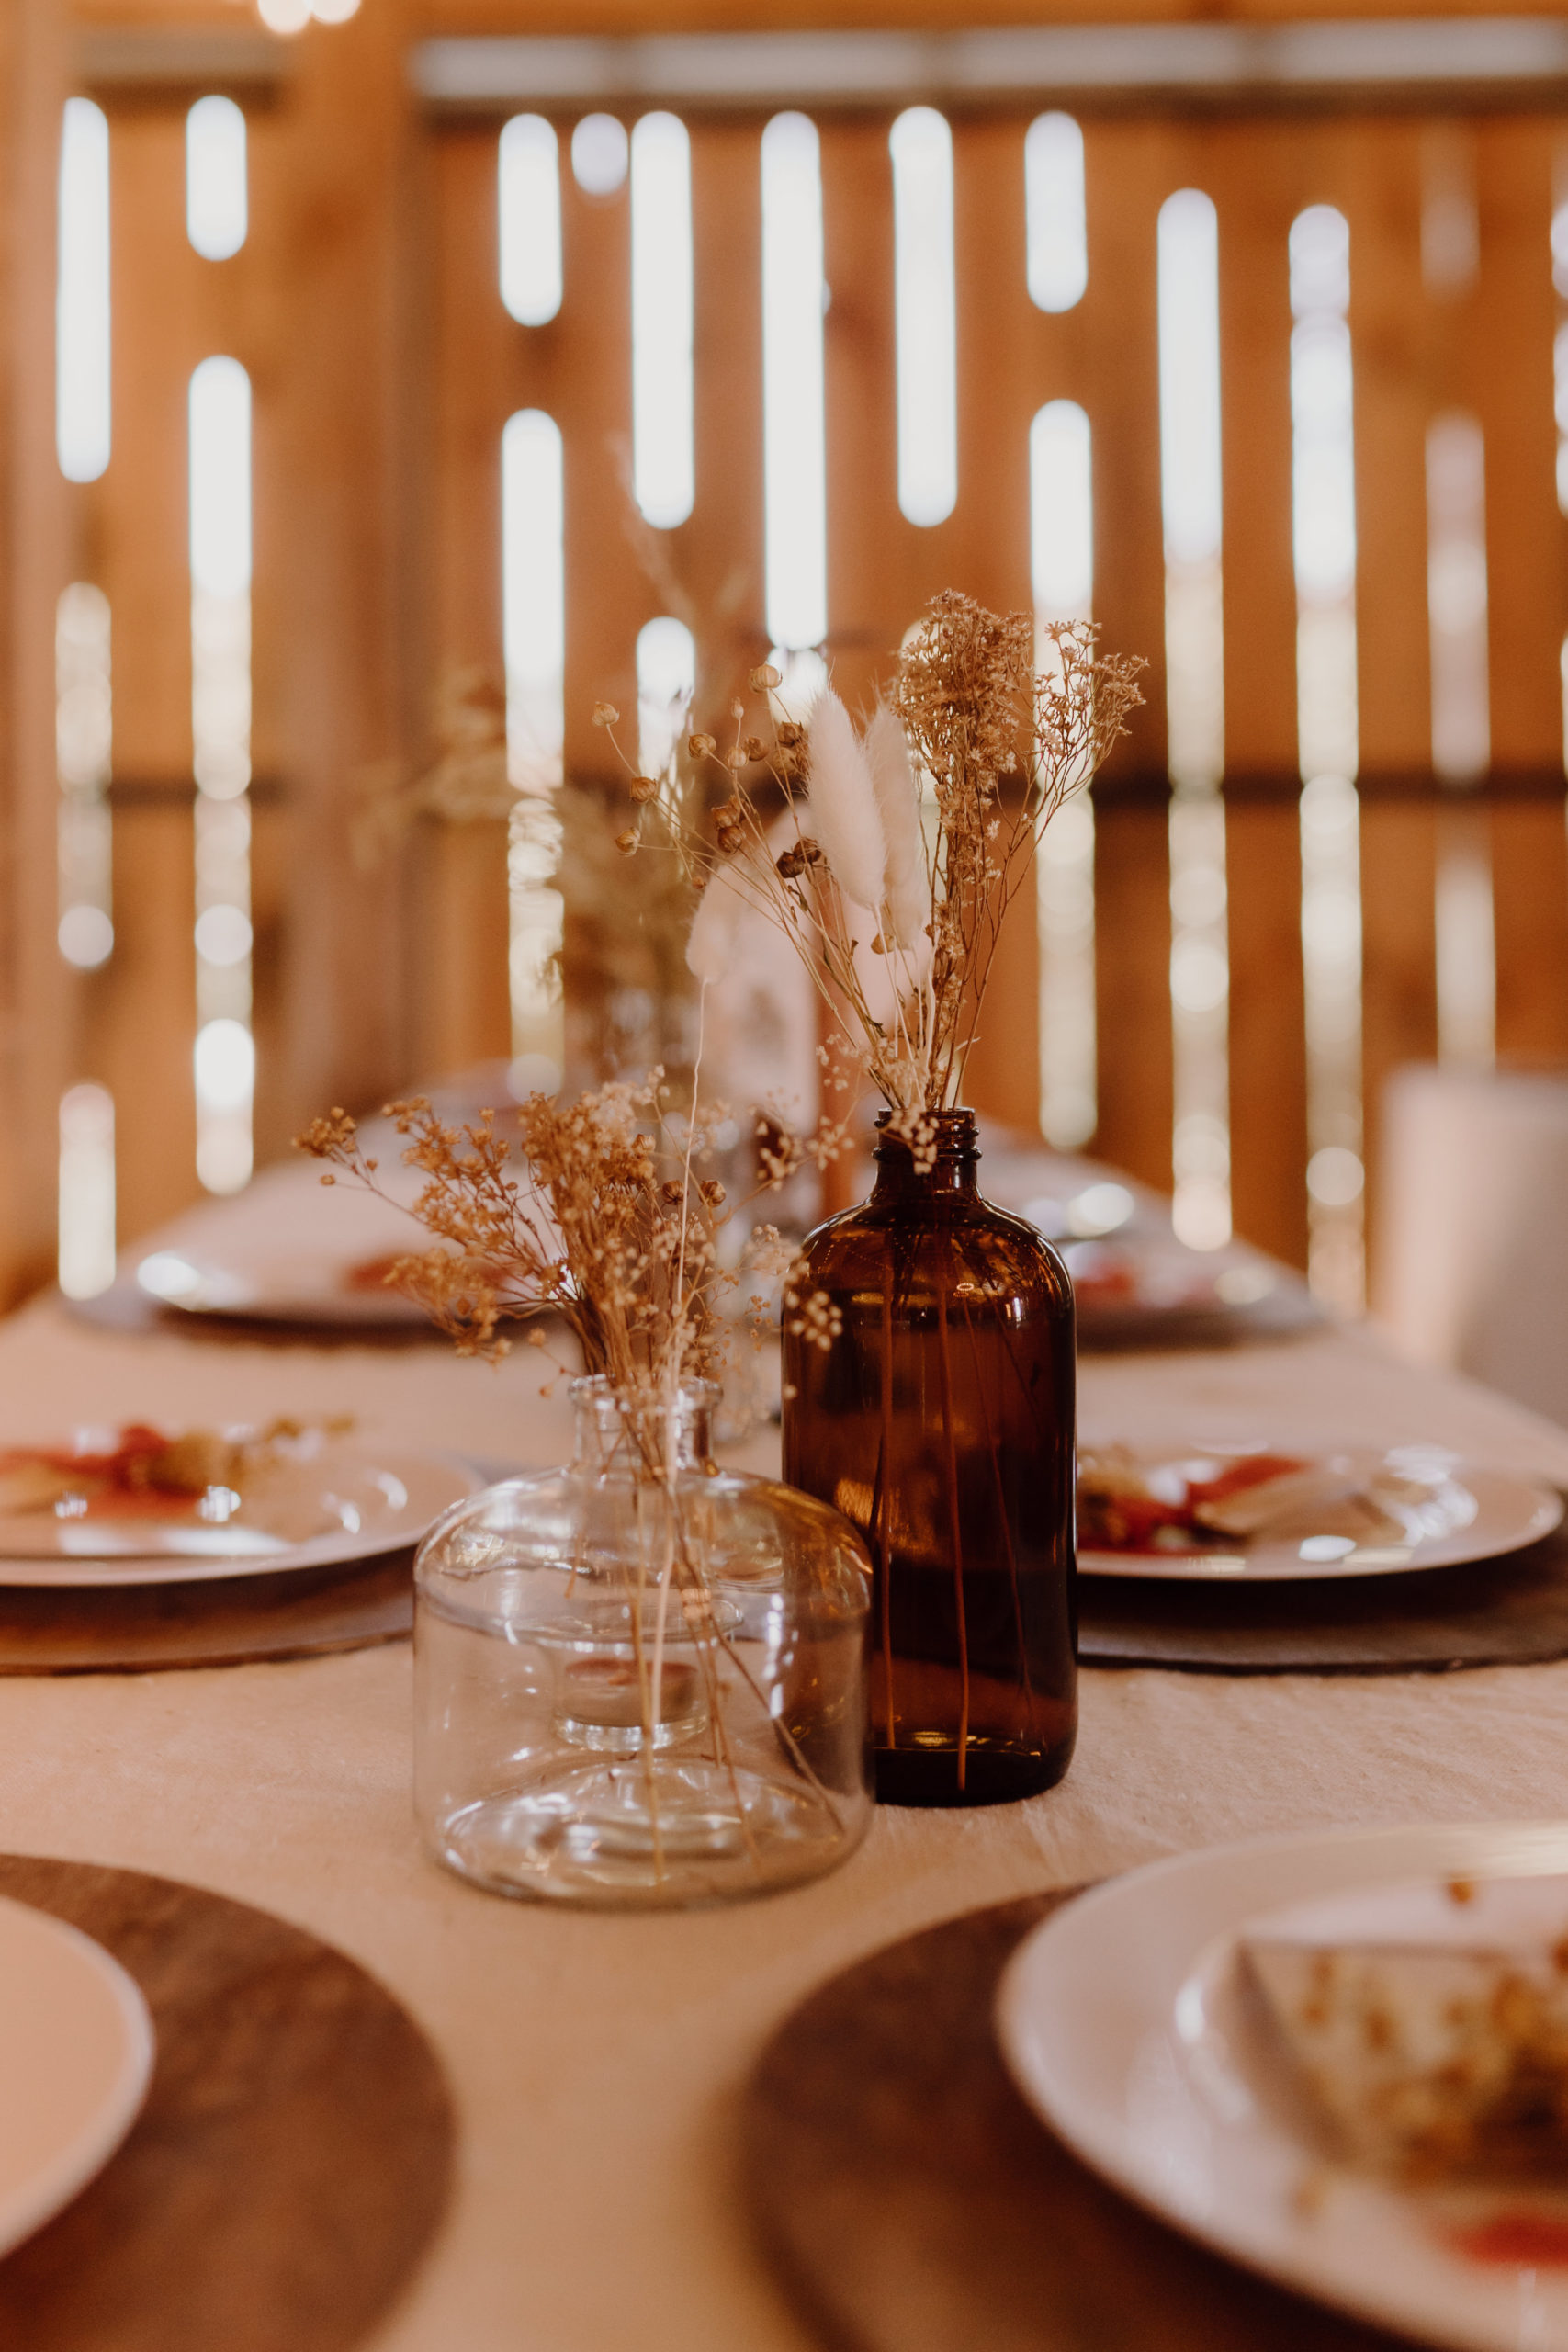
{"type": "Point", "coordinates": [856, 1244]}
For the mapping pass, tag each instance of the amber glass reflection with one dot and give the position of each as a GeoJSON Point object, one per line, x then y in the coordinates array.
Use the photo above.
{"type": "Point", "coordinates": [940, 1422]}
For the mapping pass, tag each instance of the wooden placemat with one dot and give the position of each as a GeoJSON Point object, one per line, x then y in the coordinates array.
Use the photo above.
{"type": "Point", "coordinates": [292, 2162]}
{"type": "Point", "coordinates": [222, 1620]}
{"type": "Point", "coordinates": [912, 2203]}
{"type": "Point", "coordinates": [1512, 1612]}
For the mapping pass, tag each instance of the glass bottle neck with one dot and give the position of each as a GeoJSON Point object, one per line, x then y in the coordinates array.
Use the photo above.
{"type": "Point", "coordinates": [941, 1163]}
{"type": "Point", "coordinates": [614, 1440]}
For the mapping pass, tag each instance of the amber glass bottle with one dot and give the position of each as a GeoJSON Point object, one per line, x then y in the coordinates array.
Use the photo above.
{"type": "Point", "coordinates": [941, 1421]}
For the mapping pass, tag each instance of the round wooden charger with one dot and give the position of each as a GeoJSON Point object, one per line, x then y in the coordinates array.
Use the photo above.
{"type": "Point", "coordinates": [292, 2162]}
{"type": "Point", "coordinates": [912, 2203]}
{"type": "Point", "coordinates": [222, 1620]}
{"type": "Point", "coordinates": [1512, 1612]}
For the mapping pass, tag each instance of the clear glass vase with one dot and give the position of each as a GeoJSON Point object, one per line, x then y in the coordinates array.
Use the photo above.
{"type": "Point", "coordinates": [641, 1689]}
{"type": "Point", "coordinates": [941, 1421]}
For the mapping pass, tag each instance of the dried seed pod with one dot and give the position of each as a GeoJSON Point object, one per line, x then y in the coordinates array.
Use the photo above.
{"type": "Point", "coordinates": [606, 714]}
{"type": "Point", "coordinates": [626, 843]}
{"type": "Point", "coordinates": [730, 812]}
{"type": "Point", "coordinates": [730, 838]}
{"type": "Point", "coordinates": [645, 787]}
{"type": "Point", "coordinates": [754, 748]}
{"type": "Point", "coordinates": [764, 678]}
{"type": "Point", "coordinates": [712, 1192]}
{"type": "Point", "coordinates": [789, 733]}
{"type": "Point", "coordinates": [701, 746]}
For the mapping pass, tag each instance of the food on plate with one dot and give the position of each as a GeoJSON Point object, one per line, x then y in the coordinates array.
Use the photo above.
{"type": "Point", "coordinates": [1128, 1503]}
{"type": "Point", "coordinates": [140, 1469]}
{"type": "Point", "coordinates": [1426, 2063]}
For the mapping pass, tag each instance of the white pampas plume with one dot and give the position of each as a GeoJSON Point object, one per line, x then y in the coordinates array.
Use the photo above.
{"type": "Point", "coordinates": [710, 943]}
{"type": "Point", "coordinates": [906, 881]}
{"type": "Point", "coordinates": [843, 803]}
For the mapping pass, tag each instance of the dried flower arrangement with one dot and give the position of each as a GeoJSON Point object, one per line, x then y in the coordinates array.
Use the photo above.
{"type": "Point", "coordinates": [889, 861]}
{"type": "Point", "coordinates": [600, 1219]}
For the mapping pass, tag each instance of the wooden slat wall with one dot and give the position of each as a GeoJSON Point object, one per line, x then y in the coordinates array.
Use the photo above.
{"type": "Point", "coordinates": [365, 307]}
{"type": "Point", "coordinates": [36, 1017]}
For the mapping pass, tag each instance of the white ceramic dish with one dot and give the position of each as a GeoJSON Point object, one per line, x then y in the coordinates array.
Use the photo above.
{"type": "Point", "coordinates": [293, 1286]}
{"type": "Point", "coordinates": [1467, 1514]}
{"type": "Point", "coordinates": [75, 2061]}
{"type": "Point", "coordinates": [1122, 2021]}
{"type": "Point", "coordinates": [320, 1502]}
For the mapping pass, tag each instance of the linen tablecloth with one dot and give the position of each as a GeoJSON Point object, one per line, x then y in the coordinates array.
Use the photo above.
{"type": "Point", "coordinates": [593, 2056]}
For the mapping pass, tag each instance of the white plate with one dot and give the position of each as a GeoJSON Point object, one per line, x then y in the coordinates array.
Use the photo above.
{"type": "Point", "coordinates": [1474, 1514]}
{"type": "Point", "coordinates": [293, 1286]}
{"type": "Point", "coordinates": [321, 1502]}
{"type": "Point", "coordinates": [75, 2060]}
{"type": "Point", "coordinates": [1119, 2020]}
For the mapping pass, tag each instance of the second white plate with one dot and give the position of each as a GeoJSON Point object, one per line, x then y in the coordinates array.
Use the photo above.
{"type": "Point", "coordinates": [1509, 1512]}
{"type": "Point", "coordinates": [1114, 2019]}
{"type": "Point", "coordinates": [321, 1502]}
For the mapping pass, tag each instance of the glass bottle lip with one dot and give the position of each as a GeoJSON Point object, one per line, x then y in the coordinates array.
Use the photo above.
{"type": "Point", "coordinates": [956, 1138]}
{"type": "Point", "coordinates": [594, 1389]}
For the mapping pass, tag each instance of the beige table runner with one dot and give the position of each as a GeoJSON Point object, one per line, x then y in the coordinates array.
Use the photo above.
{"type": "Point", "coordinates": [594, 2059]}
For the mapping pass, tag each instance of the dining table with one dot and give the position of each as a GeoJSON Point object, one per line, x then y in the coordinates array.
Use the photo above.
{"type": "Point", "coordinates": [597, 2059]}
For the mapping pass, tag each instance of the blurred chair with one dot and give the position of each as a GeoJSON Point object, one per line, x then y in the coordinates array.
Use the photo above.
{"type": "Point", "coordinates": [1471, 1258]}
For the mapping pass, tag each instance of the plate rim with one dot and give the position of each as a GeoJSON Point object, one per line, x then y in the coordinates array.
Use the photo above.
{"type": "Point", "coordinates": [1458, 1846]}
{"type": "Point", "coordinates": [27, 2209]}
{"type": "Point", "coordinates": [67, 1572]}
{"type": "Point", "coordinates": [1550, 1508]}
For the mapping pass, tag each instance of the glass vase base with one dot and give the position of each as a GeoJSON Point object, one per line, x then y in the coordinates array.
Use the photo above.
{"type": "Point", "coordinates": [685, 1834]}
{"type": "Point", "coordinates": [929, 1775]}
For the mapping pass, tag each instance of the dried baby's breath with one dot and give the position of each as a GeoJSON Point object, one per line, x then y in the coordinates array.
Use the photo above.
{"type": "Point", "coordinates": [984, 746]}
{"type": "Point", "coordinates": [597, 1213]}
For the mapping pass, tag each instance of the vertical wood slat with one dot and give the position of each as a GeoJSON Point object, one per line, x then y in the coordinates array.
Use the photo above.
{"type": "Point", "coordinates": [34, 1018]}
{"type": "Point", "coordinates": [1399, 1003]}
{"type": "Point", "coordinates": [1529, 897]}
{"type": "Point", "coordinates": [340, 556]}
{"type": "Point", "coordinates": [170, 309]}
{"type": "Point", "coordinates": [1510, 367]}
{"type": "Point", "coordinates": [1256, 191]}
{"type": "Point", "coordinates": [141, 1011]}
{"type": "Point", "coordinates": [1403, 337]}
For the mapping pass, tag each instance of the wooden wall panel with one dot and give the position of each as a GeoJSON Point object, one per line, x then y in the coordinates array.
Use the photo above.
{"type": "Point", "coordinates": [35, 1013]}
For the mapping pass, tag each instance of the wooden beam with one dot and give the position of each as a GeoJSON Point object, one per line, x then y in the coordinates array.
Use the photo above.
{"type": "Point", "coordinates": [1476, 61]}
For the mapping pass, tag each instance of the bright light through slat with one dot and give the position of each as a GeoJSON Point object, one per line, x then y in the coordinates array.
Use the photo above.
{"type": "Point", "coordinates": [84, 717]}
{"type": "Point", "coordinates": [221, 730]}
{"type": "Point", "coordinates": [794, 426]}
{"type": "Point", "coordinates": [926, 329]}
{"type": "Point", "coordinates": [217, 198]}
{"type": "Point", "coordinates": [534, 639]}
{"type": "Point", "coordinates": [663, 464]}
{"type": "Point", "coordinates": [1054, 216]}
{"type": "Point", "coordinates": [598, 154]}
{"type": "Point", "coordinates": [1062, 565]}
{"type": "Point", "coordinates": [1328, 724]}
{"type": "Point", "coordinates": [1061, 512]}
{"type": "Point", "coordinates": [81, 305]}
{"type": "Point", "coordinates": [528, 183]}
{"type": "Point", "coordinates": [86, 1227]}
{"type": "Point", "coordinates": [220, 477]}
{"type": "Point", "coordinates": [666, 681]}
{"type": "Point", "coordinates": [1462, 736]}
{"type": "Point", "coordinates": [1187, 255]}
